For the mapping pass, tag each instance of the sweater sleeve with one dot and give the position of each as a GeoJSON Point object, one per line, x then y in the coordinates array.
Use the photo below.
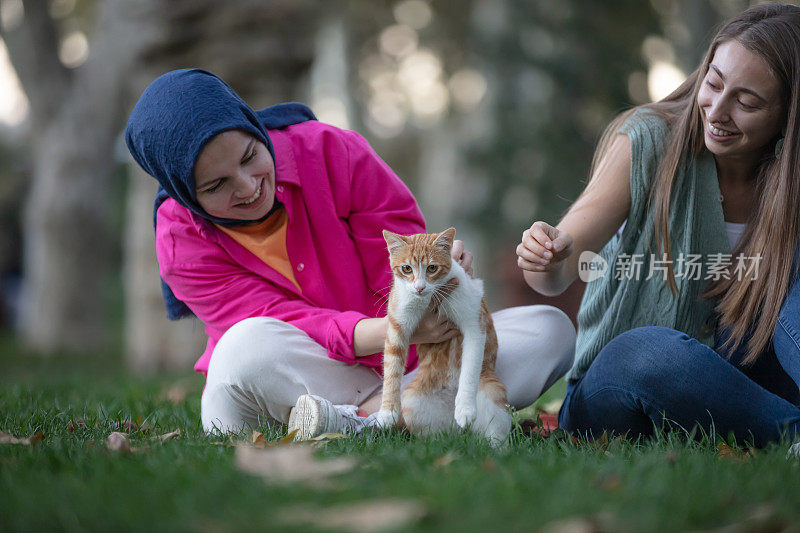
{"type": "Point", "coordinates": [377, 200]}
{"type": "Point", "coordinates": [221, 292]}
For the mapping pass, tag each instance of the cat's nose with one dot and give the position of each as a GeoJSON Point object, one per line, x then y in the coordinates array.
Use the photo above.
{"type": "Point", "coordinates": [419, 285]}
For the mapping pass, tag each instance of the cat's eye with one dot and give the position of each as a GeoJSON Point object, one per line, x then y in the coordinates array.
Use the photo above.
{"type": "Point", "coordinates": [406, 269]}
{"type": "Point", "coordinates": [432, 268]}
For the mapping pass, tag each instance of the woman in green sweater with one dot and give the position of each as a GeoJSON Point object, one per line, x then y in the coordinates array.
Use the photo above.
{"type": "Point", "coordinates": [694, 207]}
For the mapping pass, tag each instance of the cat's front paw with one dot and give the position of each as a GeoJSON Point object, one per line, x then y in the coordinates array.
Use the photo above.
{"type": "Point", "coordinates": [466, 411]}
{"type": "Point", "coordinates": [383, 419]}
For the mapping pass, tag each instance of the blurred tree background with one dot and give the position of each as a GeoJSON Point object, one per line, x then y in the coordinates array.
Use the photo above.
{"type": "Point", "coordinates": [488, 109]}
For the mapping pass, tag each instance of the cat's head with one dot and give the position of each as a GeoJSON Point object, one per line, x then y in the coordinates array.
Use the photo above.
{"type": "Point", "coordinates": [422, 261]}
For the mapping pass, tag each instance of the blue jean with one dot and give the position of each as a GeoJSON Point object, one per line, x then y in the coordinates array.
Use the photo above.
{"type": "Point", "coordinates": [650, 376]}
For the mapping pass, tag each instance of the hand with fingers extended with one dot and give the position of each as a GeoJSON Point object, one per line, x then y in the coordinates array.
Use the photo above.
{"type": "Point", "coordinates": [543, 248]}
{"type": "Point", "coordinates": [432, 329]}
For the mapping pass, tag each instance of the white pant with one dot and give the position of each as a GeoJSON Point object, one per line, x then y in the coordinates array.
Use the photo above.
{"type": "Point", "coordinates": [262, 365]}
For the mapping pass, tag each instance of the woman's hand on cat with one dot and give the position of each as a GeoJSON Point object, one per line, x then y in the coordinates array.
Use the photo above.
{"type": "Point", "coordinates": [543, 248]}
{"type": "Point", "coordinates": [461, 256]}
{"type": "Point", "coordinates": [433, 329]}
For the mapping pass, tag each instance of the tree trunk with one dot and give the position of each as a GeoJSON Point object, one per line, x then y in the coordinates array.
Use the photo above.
{"type": "Point", "coordinates": [67, 241]}
{"type": "Point", "coordinates": [152, 343]}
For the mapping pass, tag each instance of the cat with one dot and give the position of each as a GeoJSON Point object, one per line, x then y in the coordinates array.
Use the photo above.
{"type": "Point", "coordinates": [455, 379]}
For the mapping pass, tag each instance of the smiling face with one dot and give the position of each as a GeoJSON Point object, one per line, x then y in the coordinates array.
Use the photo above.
{"type": "Point", "coordinates": [740, 104]}
{"type": "Point", "coordinates": [235, 177]}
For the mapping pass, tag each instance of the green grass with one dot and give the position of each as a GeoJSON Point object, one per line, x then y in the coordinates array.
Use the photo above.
{"type": "Point", "coordinates": [71, 481]}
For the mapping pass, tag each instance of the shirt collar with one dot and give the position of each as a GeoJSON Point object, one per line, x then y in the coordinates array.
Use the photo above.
{"type": "Point", "coordinates": [285, 164]}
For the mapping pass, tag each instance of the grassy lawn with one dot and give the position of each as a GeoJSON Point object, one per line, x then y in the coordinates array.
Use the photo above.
{"type": "Point", "coordinates": [72, 481]}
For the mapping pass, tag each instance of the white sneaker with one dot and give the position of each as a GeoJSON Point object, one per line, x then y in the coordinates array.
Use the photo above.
{"type": "Point", "coordinates": [312, 416]}
{"type": "Point", "coordinates": [794, 451]}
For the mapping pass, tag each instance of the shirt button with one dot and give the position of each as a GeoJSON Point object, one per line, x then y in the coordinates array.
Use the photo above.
{"type": "Point", "coordinates": [280, 188]}
{"type": "Point", "coordinates": [300, 267]}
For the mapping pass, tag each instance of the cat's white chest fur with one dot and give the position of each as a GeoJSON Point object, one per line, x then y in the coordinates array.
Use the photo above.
{"type": "Point", "coordinates": [462, 306]}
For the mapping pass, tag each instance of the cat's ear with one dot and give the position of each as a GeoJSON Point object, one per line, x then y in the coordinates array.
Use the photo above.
{"type": "Point", "coordinates": [445, 238]}
{"type": "Point", "coordinates": [393, 240]}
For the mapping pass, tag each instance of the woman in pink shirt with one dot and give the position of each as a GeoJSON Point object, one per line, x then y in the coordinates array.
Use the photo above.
{"type": "Point", "coordinates": [268, 229]}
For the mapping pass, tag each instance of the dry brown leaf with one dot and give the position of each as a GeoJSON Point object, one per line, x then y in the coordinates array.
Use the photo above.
{"type": "Point", "coordinates": [176, 393]}
{"type": "Point", "coordinates": [671, 457]}
{"type": "Point", "coordinates": [291, 463]}
{"type": "Point", "coordinates": [289, 438]}
{"type": "Point", "coordinates": [489, 465]}
{"type": "Point", "coordinates": [321, 440]}
{"type": "Point", "coordinates": [118, 442]}
{"type": "Point", "coordinates": [78, 423]}
{"type": "Point", "coordinates": [167, 436]}
{"type": "Point", "coordinates": [8, 438]}
{"type": "Point", "coordinates": [258, 439]}
{"type": "Point", "coordinates": [362, 517]}
{"type": "Point", "coordinates": [609, 482]}
{"type": "Point", "coordinates": [445, 460]}
{"type": "Point", "coordinates": [724, 451]}
{"type": "Point", "coordinates": [571, 525]}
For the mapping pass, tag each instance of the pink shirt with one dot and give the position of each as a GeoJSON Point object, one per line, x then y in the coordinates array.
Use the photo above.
{"type": "Point", "coordinates": [339, 196]}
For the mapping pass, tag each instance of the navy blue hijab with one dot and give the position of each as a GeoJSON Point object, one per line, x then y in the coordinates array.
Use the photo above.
{"type": "Point", "coordinates": [173, 120]}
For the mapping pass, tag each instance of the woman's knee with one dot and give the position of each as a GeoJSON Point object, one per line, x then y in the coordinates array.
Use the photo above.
{"type": "Point", "coordinates": [536, 348]}
{"type": "Point", "coordinates": [649, 354]}
{"type": "Point", "coordinates": [544, 329]}
{"type": "Point", "coordinates": [560, 334]}
{"type": "Point", "coordinates": [250, 348]}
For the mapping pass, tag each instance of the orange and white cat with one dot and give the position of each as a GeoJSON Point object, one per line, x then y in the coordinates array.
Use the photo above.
{"type": "Point", "coordinates": [455, 379]}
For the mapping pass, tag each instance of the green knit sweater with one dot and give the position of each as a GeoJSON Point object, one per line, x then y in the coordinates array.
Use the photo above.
{"type": "Point", "coordinates": [620, 300]}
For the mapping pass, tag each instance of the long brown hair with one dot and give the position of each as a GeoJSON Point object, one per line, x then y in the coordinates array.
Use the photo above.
{"type": "Point", "coordinates": [771, 31]}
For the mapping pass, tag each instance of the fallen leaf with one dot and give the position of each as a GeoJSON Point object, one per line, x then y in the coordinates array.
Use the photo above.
{"type": "Point", "coordinates": [289, 438]}
{"type": "Point", "coordinates": [289, 463]}
{"type": "Point", "coordinates": [543, 426]}
{"type": "Point", "coordinates": [671, 456]}
{"type": "Point", "coordinates": [445, 460]}
{"type": "Point", "coordinates": [8, 438]}
{"type": "Point", "coordinates": [362, 517]}
{"type": "Point", "coordinates": [609, 482]}
{"type": "Point", "coordinates": [724, 451]}
{"type": "Point", "coordinates": [602, 442]}
{"type": "Point", "coordinates": [571, 525]}
{"type": "Point", "coordinates": [761, 513]}
{"type": "Point", "coordinates": [78, 423]}
{"type": "Point", "coordinates": [258, 439]}
{"type": "Point", "coordinates": [118, 442]}
{"type": "Point", "coordinates": [489, 465]}
{"type": "Point", "coordinates": [167, 436]}
{"type": "Point", "coordinates": [176, 393]}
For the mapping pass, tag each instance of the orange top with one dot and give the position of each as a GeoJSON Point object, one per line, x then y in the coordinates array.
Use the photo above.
{"type": "Point", "coordinates": [267, 241]}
